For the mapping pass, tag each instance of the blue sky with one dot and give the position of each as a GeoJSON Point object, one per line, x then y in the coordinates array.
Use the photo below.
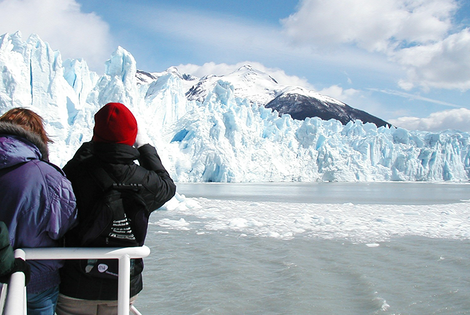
{"type": "Point", "coordinates": [407, 62]}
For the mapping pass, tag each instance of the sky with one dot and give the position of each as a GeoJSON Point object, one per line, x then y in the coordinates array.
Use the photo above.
{"type": "Point", "coordinates": [405, 61]}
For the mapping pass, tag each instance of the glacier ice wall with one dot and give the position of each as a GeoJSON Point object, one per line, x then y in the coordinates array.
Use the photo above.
{"type": "Point", "coordinates": [222, 138]}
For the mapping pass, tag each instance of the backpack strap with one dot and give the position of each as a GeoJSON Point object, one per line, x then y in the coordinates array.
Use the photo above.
{"type": "Point", "coordinates": [102, 178]}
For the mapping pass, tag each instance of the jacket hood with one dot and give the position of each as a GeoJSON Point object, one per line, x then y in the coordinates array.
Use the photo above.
{"type": "Point", "coordinates": [18, 145]}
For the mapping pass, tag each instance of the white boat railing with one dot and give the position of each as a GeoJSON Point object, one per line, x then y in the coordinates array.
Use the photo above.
{"type": "Point", "coordinates": [15, 299]}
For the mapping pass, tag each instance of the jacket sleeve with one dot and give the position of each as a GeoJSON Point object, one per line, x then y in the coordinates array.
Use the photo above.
{"type": "Point", "coordinates": [63, 205]}
{"type": "Point", "coordinates": [7, 258]}
{"type": "Point", "coordinates": [159, 181]}
{"type": "Point", "coordinates": [150, 160]}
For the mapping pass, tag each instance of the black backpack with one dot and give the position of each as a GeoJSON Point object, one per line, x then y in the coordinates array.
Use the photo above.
{"type": "Point", "coordinates": [119, 218]}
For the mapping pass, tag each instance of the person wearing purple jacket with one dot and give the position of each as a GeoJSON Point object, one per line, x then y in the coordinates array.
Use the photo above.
{"type": "Point", "coordinates": [37, 201]}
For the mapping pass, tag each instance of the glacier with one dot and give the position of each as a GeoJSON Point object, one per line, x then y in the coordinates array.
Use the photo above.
{"type": "Point", "coordinates": [222, 135]}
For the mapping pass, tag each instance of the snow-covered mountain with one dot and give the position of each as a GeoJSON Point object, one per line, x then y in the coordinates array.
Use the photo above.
{"type": "Point", "coordinates": [262, 89]}
{"type": "Point", "coordinates": [217, 128]}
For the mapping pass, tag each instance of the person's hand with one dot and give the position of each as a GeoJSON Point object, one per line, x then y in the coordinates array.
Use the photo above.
{"type": "Point", "coordinates": [141, 139]}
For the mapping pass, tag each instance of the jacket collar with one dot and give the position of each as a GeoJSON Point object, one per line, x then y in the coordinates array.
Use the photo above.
{"type": "Point", "coordinates": [115, 152]}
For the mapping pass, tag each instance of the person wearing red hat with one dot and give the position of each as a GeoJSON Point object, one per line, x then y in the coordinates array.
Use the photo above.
{"type": "Point", "coordinates": [117, 142]}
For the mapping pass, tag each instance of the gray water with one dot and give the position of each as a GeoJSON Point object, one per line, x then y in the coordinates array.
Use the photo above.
{"type": "Point", "coordinates": [213, 272]}
{"type": "Point", "coordinates": [395, 193]}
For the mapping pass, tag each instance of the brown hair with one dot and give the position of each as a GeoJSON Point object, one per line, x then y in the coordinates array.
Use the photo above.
{"type": "Point", "coordinates": [27, 119]}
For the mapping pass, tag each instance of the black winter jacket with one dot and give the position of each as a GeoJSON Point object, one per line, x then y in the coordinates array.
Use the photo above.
{"type": "Point", "coordinates": [117, 160]}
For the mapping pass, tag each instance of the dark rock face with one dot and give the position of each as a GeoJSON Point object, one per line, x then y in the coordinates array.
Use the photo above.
{"type": "Point", "coordinates": [301, 106]}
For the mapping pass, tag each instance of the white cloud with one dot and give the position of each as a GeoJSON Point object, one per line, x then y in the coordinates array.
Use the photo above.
{"type": "Point", "coordinates": [418, 35]}
{"type": "Point", "coordinates": [60, 23]}
{"type": "Point", "coordinates": [445, 64]}
{"type": "Point", "coordinates": [221, 69]}
{"type": "Point", "coordinates": [337, 92]}
{"type": "Point", "coordinates": [415, 97]}
{"type": "Point", "coordinates": [456, 119]}
{"type": "Point", "coordinates": [370, 24]}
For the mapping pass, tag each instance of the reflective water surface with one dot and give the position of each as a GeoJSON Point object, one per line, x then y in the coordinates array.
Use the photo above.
{"type": "Point", "coordinates": [356, 193]}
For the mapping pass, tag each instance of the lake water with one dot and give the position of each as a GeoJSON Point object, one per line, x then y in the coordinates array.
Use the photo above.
{"type": "Point", "coordinates": [395, 193]}
{"type": "Point", "coordinates": [326, 248]}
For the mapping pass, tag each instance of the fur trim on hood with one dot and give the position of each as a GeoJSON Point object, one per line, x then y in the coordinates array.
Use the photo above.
{"type": "Point", "coordinates": [16, 130]}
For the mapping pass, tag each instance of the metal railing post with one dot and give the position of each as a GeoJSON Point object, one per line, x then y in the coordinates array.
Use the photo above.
{"type": "Point", "coordinates": [123, 284]}
{"type": "Point", "coordinates": [15, 302]}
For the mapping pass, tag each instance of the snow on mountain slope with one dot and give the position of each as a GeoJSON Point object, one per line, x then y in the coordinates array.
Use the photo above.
{"type": "Point", "coordinates": [249, 83]}
{"type": "Point", "coordinates": [217, 131]}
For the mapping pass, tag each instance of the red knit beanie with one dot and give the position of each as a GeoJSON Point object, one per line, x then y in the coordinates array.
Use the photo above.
{"type": "Point", "coordinates": [115, 123]}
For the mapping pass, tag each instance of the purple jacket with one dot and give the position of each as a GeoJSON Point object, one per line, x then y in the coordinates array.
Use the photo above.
{"type": "Point", "coordinates": [37, 201]}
